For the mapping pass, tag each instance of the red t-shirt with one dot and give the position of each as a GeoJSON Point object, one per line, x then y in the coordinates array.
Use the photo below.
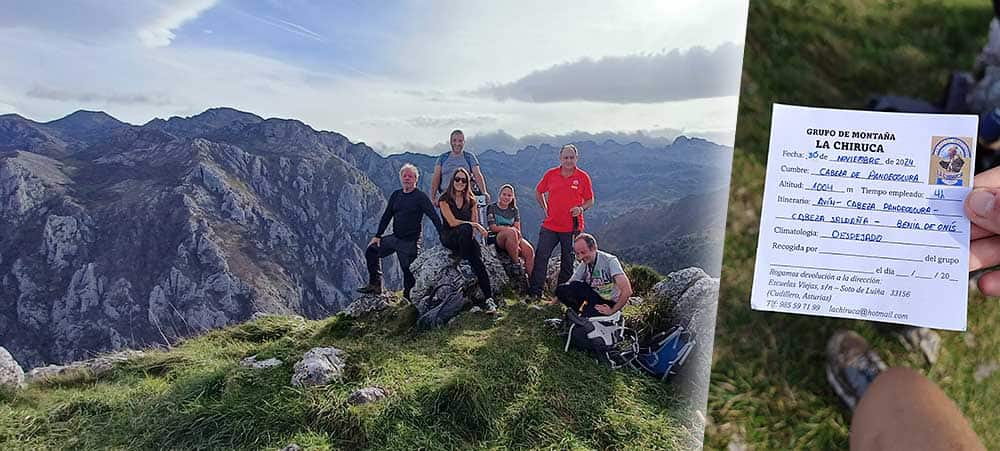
{"type": "Point", "coordinates": [564, 194]}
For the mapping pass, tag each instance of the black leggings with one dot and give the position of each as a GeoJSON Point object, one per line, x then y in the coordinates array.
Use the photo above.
{"type": "Point", "coordinates": [581, 298]}
{"type": "Point", "coordinates": [460, 239]}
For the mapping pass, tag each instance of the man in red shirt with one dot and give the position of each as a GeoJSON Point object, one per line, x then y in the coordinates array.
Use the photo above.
{"type": "Point", "coordinates": [564, 193]}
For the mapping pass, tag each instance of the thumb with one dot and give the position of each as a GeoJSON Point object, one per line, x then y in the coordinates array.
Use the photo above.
{"type": "Point", "coordinates": [983, 209]}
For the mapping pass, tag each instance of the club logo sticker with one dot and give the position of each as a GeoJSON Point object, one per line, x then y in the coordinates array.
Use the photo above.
{"type": "Point", "coordinates": [951, 160]}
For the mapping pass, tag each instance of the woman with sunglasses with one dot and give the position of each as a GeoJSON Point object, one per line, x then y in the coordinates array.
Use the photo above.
{"type": "Point", "coordinates": [504, 222]}
{"type": "Point", "coordinates": [458, 208]}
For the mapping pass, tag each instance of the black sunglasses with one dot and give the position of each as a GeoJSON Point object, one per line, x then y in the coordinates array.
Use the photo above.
{"type": "Point", "coordinates": [457, 179]}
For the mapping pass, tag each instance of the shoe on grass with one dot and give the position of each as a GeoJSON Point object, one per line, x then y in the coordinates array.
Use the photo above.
{"type": "Point", "coordinates": [921, 339]}
{"type": "Point", "coordinates": [490, 307]}
{"type": "Point", "coordinates": [851, 366]}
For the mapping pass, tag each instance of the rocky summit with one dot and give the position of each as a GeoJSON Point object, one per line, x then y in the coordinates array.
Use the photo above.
{"type": "Point", "coordinates": [128, 236]}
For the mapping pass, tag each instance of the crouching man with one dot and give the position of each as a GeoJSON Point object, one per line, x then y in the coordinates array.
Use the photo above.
{"type": "Point", "coordinates": [598, 286]}
{"type": "Point", "coordinates": [405, 209]}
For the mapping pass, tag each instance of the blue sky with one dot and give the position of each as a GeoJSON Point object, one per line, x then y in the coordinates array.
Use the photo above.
{"type": "Point", "coordinates": [397, 75]}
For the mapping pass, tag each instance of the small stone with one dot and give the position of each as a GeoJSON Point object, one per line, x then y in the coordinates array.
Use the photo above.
{"type": "Point", "coordinates": [292, 447]}
{"type": "Point", "coordinates": [367, 395]}
{"type": "Point", "coordinates": [319, 366]}
{"type": "Point", "coordinates": [969, 339]}
{"type": "Point", "coordinates": [252, 362]}
{"type": "Point", "coordinates": [986, 370]}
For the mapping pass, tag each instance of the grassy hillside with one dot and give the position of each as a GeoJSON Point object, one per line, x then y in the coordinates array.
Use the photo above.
{"type": "Point", "coordinates": [768, 388]}
{"type": "Point", "coordinates": [476, 384]}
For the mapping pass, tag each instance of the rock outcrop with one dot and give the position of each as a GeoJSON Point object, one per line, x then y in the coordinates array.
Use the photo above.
{"type": "Point", "coordinates": [367, 395]}
{"type": "Point", "coordinates": [446, 284]}
{"type": "Point", "coordinates": [369, 303]}
{"type": "Point", "coordinates": [11, 374]}
{"type": "Point", "coordinates": [95, 367]}
{"type": "Point", "coordinates": [319, 366]}
{"type": "Point", "coordinates": [691, 299]}
{"type": "Point", "coordinates": [123, 236]}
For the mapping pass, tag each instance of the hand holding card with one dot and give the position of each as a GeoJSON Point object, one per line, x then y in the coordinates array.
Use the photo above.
{"type": "Point", "coordinates": [863, 216]}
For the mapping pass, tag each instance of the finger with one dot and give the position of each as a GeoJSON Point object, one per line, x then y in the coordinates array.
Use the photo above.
{"type": "Point", "coordinates": [988, 179]}
{"type": "Point", "coordinates": [989, 283]}
{"type": "Point", "coordinates": [983, 209]}
{"type": "Point", "coordinates": [979, 232]}
{"type": "Point", "coordinates": [984, 253]}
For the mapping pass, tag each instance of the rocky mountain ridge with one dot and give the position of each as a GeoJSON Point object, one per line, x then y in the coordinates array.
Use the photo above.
{"type": "Point", "coordinates": [116, 235]}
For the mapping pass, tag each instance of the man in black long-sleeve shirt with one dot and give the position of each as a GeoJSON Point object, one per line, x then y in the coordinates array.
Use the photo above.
{"type": "Point", "coordinates": [405, 209]}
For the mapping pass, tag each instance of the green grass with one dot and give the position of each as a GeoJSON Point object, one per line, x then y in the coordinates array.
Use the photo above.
{"type": "Point", "coordinates": [768, 388]}
{"type": "Point", "coordinates": [479, 383]}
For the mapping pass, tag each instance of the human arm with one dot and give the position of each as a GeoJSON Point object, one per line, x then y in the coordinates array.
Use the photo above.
{"type": "Point", "coordinates": [481, 181]}
{"type": "Point", "coordinates": [428, 209]}
{"type": "Point", "coordinates": [587, 193]}
{"type": "Point", "coordinates": [587, 205]}
{"type": "Point", "coordinates": [383, 223]}
{"type": "Point", "coordinates": [435, 182]}
{"type": "Point", "coordinates": [491, 219]}
{"type": "Point", "coordinates": [475, 221]}
{"type": "Point", "coordinates": [452, 221]}
{"type": "Point", "coordinates": [624, 292]}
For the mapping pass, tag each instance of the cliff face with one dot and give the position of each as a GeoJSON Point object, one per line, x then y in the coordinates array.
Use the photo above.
{"type": "Point", "coordinates": [155, 232]}
{"type": "Point", "coordinates": [114, 235]}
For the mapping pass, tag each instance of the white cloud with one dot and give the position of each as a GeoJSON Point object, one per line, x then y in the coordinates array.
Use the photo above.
{"type": "Point", "coordinates": [97, 62]}
{"type": "Point", "coordinates": [695, 73]}
{"type": "Point", "coordinates": [465, 44]}
{"type": "Point", "coordinates": [95, 22]}
{"type": "Point", "coordinates": [160, 32]}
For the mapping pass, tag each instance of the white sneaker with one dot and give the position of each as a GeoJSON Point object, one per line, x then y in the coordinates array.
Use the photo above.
{"type": "Point", "coordinates": [490, 307]}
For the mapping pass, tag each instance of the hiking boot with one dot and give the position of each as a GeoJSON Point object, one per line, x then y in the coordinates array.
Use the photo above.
{"type": "Point", "coordinates": [370, 289]}
{"type": "Point", "coordinates": [851, 366]}
{"type": "Point", "coordinates": [490, 307]}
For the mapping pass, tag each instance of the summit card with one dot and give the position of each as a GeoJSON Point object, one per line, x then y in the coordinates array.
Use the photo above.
{"type": "Point", "coordinates": [863, 216]}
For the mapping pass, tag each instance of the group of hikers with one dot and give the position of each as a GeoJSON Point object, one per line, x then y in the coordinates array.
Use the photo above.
{"type": "Point", "coordinates": [599, 286]}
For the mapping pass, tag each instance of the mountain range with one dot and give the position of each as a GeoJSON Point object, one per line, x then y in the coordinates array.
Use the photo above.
{"type": "Point", "coordinates": [116, 235]}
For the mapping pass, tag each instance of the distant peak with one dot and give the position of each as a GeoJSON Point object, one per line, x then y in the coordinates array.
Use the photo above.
{"type": "Point", "coordinates": [228, 114]}
{"type": "Point", "coordinates": [85, 117]}
{"type": "Point", "coordinates": [13, 116]}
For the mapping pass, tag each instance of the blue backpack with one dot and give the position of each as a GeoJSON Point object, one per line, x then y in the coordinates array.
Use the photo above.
{"type": "Point", "coordinates": [666, 352]}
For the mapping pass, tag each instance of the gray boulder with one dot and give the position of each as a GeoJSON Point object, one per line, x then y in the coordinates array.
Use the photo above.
{"type": "Point", "coordinates": [367, 395]}
{"type": "Point", "coordinates": [369, 303]}
{"type": "Point", "coordinates": [678, 282]}
{"type": "Point", "coordinates": [446, 285]}
{"type": "Point", "coordinates": [11, 374]}
{"type": "Point", "coordinates": [97, 366]}
{"type": "Point", "coordinates": [319, 366]}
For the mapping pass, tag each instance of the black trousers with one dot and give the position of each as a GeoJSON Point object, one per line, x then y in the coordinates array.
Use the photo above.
{"type": "Point", "coordinates": [406, 252]}
{"type": "Point", "coordinates": [581, 298]}
{"type": "Point", "coordinates": [547, 241]}
{"type": "Point", "coordinates": [461, 240]}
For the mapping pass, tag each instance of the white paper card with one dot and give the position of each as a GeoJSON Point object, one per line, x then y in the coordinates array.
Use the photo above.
{"type": "Point", "coordinates": [863, 216]}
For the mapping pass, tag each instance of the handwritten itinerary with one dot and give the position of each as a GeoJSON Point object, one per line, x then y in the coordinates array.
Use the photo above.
{"type": "Point", "coordinates": [863, 216]}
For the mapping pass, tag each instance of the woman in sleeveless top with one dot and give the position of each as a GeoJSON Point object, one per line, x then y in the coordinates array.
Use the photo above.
{"type": "Point", "coordinates": [504, 222]}
{"type": "Point", "coordinates": [458, 209]}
